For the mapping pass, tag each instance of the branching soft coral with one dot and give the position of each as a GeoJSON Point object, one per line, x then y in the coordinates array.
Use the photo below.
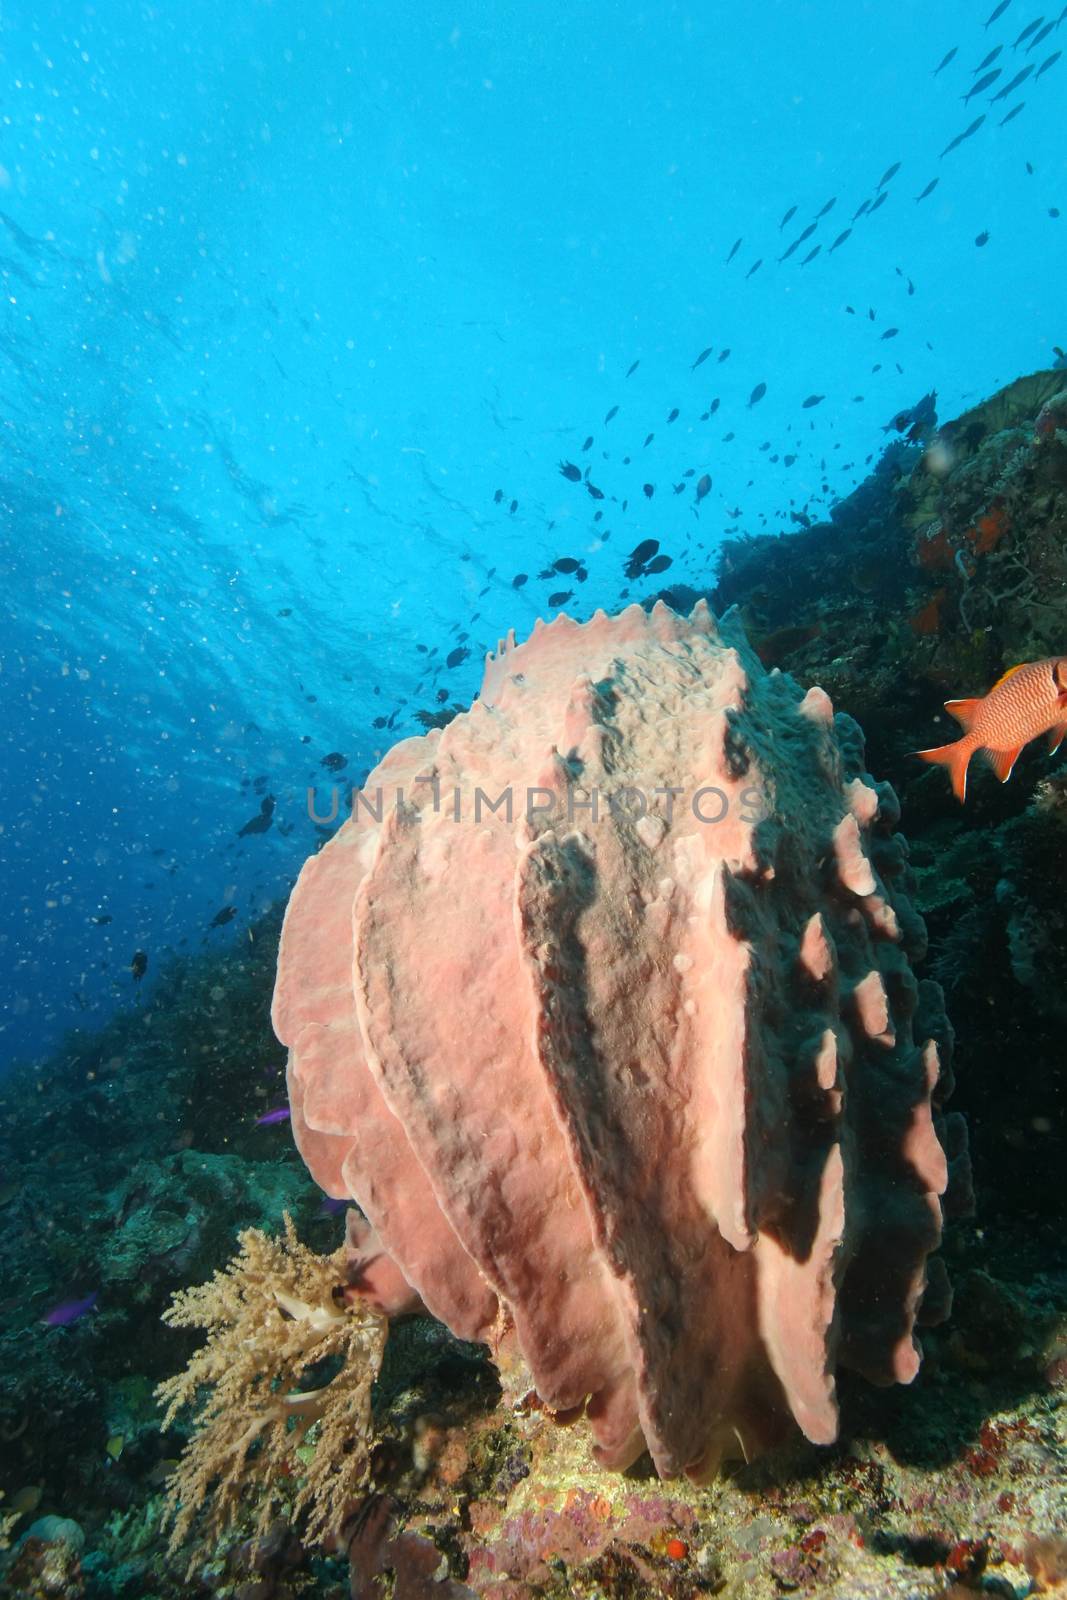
{"type": "Point", "coordinates": [272, 1313]}
{"type": "Point", "coordinates": [8, 1519]}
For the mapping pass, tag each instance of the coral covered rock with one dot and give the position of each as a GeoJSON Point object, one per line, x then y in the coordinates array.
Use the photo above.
{"type": "Point", "coordinates": [600, 1007]}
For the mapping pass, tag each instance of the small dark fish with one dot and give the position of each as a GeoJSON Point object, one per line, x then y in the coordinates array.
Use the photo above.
{"type": "Point", "coordinates": [1054, 211]}
{"type": "Point", "coordinates": [988, 62]}
{"type": "Point", "coordinates": [649, 489]}
{"type": "Point", "coordinates": [890, 333]}
{"type": "Point", "coordinates": [703, 486]}
{"type": "Point", "coordinates": [982, 238]}
{"type": "Point", "coordinates": [713, 407]}
{"type": "Point", "coordinates": [270, 1118]}
{"type": "Point", "coordinates": [674, 415]}
{"type": "Point", "coordinates": [658, 564]}
{"type": "Point", "coordinates": [808, 231]}
{"type": "Point", "coordinates": [261, 823]}
{"type": "Point", "coordinates": [827, 208]}
{"type": "Point", "coordinates": [812, 400]}
{"type": "Point", "coordinates": [612, 413]}
{"type": "Point", "coordinates": [754, 268]}
{"type": "Point", "coordinates": [594, 492]}
{"type": "Point", "coordinates": [519, 579]}
{"type": "Point", "coordinates": [334, 761]}
{"type": "Point", "coordinates": [588, 444]}
{"type": "Point", "coordinates": [811, 255]}
{"type": "Point", "coordinates": [456, 657]}
{"type": "Point", "coordinates": [966, 134]}
{"type": "Point", "coordinates": [634, 368]}
{"type": "Point", "coordinates": [945, 60]}
{"type": "Point", "coordinates": [984, 82]}
{"type": "Point", "coordinates": [566, 565]}
{"type": "Point", "coordinates": [733, 252]}
{"type": "Point", "coordinates": [881, 200]}
{"type": "Point", "coordinates": [999, 12]}
{"type": "Point", "coordinates": [572, 473]}
{"type": "Point", "coordinates": [560, 598]}
{"type": "Point", "coordinates": [101, 921]}
{"type": "Point", "coordinates": [286, 611]}
{"type": "Point", "coordinates": [864, 206]}
{"type": "Point", "coordinates": [498, 497]}
{"type": "Point", "coordinates": [890, 172]}
{"type": "Point", "coordinates": [220, 919]}
{"type": "Point", "coordinates": [930, 187]}
{"type": "Point", "coordinates": [790, 214]}
{"type": "Point", "coordinates": [640, 556]}
{"type": "Point", "coordinates": [725, 356]}
{"type": "Point", "coordinates": [701, 358]}
{"type": "Point", "coordinates": [1040, 37]}
{"type": "Point", "coordinates": [918, 421]}
{"type": "Point", "coordinates": [789, 252]}
{"type": "Point", "coordinates": [757, 394]}
{"type": "Point", "coordinates": [1051, 62]}
{"type": "Point", "coordinates": [139, 965]}
{"type": "Point", "coordinates": [1010, 88]}
{"type": "Point", "coordinates": [1027, 31]}
{"type": "Point", "coordinates": [648, 440]}
{"type": "Point", "coordinates": [513, 507]}
{"type": "Point", "coordinates": [839, 240]}
{"type": "Point", "coordinates": [68, 1311]}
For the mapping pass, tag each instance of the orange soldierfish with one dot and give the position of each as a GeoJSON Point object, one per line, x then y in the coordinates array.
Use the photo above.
{"type": "Point", "coordinates": [1027, 701]}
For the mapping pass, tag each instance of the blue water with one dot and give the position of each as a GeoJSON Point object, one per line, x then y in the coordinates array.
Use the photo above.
{"type": "Point", "coordinates": [292, 291]}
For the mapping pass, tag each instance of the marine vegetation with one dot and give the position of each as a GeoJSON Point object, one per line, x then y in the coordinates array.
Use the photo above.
{"type": "Point", "coordinates": [277, 1312]}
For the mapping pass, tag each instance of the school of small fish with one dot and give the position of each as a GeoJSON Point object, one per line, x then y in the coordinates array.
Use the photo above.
{"type": "Point", "coordinates": [999, 70]}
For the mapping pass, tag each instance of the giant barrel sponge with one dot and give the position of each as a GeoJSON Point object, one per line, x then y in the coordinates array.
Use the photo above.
{"type": "Point", "coordinates": [600, 1007]}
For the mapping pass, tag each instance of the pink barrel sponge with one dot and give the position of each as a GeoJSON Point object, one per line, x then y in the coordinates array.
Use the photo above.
{"type": "Point", "coordinates": [600, 1006]}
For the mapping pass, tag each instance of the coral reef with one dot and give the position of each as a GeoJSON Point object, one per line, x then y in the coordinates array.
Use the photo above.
{"type": "Point", "coordinates": [638, 1081]}
{"type": "Point", "coordinates": [509, 1506]}
{"type": "Point", "coordinates": [132, 1158]}
{"type": "Point", "coordinates": [275, 1312]}
{"type": "Point", "coordinates": [985, 507]}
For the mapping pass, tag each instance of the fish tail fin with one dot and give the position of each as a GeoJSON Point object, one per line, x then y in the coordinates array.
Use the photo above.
{"type": "Point", "coordinates": [963, 711]}
{"type": "Point", "coordinates": [1002, 761]}
{"type": "Point", "coordinates": [956, 757]}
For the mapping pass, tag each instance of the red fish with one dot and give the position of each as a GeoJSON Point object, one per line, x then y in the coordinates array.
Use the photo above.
{"type": "Point", "coordinates": [1027, 701]}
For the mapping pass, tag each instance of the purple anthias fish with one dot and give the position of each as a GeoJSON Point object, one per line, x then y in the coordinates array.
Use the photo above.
{"type": "Point", "coordinates": [331, 1207]}
{"type": "Point", "coordinates": [279, 1114]}
{"type": "Point", "coordinates": [68, 1311]}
